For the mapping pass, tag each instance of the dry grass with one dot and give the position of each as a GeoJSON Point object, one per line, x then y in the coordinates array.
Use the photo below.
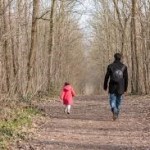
{"type": "Point", "coordinates": [16, 117]}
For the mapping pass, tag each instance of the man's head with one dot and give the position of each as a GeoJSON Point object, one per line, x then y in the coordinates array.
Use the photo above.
{"type": "Point", "coordinates": [118, 56]}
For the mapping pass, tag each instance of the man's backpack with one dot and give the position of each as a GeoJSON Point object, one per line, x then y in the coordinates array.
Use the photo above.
{"type": "Point", "coordinates": [117, 74]}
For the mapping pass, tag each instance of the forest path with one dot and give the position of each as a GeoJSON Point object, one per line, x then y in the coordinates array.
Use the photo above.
{"type": "Point", "coordinates": [90, 125]}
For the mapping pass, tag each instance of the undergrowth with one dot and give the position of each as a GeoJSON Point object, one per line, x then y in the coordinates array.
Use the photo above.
{"type": "Point", "coordinates": [13, 122]}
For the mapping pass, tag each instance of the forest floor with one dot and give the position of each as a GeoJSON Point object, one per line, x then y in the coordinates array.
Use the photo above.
{"type": "Point", "coordinates": [90, 126]}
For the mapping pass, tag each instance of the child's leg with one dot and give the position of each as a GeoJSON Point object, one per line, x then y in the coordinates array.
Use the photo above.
{"type": "Point", "coordinates": [68, 109]}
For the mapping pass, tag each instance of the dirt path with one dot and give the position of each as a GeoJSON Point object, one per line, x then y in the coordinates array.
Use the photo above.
{"type": "Point", "coordinates": [90, 126]}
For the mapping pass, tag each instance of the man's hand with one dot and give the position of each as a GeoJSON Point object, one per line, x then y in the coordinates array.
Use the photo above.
{"type": "Point", "coordinates": [105, 89]}
{"type": "Point", "coordinates": [125, 93]}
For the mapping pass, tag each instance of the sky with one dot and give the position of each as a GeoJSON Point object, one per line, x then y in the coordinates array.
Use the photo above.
{"type": "Point", "coordinates": [84, 8]}
{"type": "Point", "coordinates": [88, 8]}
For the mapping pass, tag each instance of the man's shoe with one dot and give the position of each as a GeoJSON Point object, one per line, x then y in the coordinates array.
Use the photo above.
{"type": "Point", "coordinates": [115, 114]}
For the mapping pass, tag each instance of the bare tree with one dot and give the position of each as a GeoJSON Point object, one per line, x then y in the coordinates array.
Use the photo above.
{"type": "Point", "coordinates": [32, 51]}
{"type": "Point", "coordinates": [50, 44]}
{"type": "Point", "coordinates": [134, 58]}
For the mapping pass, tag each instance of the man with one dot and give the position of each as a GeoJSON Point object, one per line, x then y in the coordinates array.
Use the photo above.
{"type": "Point", "coordinates": [117, 75]}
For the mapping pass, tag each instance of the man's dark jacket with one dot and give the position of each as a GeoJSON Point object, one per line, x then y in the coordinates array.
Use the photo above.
{"type": "Point", "coordinates": [116, 88]}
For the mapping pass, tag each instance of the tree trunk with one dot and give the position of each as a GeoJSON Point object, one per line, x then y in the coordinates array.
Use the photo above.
{"type": "Point", "coordinates": [50, 45]}
{"type": "Point", "coordinates": [134, 55]}
{"type": "Point", "coordinates": [32, 51]}
{"type": "Point", "coordinates": [121, 26]}
{"type": "Point", "coordinates": [5, 48]}
{"type": "Point", "coordinates": [14, 58]}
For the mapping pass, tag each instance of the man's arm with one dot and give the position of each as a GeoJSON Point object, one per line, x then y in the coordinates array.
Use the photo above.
{"type": "Point", "coordinates": [125, 79]}
{"type": "Point", "coordinates": [106, 78]}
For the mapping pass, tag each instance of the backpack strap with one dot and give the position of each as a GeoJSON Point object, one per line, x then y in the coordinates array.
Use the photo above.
{"type": "Point", "coordinates": [123, 68]}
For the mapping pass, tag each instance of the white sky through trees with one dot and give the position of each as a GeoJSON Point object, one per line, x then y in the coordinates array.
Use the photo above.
{"type": "Point", "coordinates": [84, 10]}
{"type": "Point", "coordinates": [87, 8]}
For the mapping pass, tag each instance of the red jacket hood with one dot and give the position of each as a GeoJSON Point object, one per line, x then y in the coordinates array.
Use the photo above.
{"type": "Point", "coordinates": [67, 88]}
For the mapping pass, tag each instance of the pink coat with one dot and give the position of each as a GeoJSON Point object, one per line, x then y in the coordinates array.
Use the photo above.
{"type": "Point", "coordinates": [67, 95]}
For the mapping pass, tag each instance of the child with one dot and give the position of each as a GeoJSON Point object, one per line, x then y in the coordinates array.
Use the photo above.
{"type": "Point", "coordinates": [67, 95]}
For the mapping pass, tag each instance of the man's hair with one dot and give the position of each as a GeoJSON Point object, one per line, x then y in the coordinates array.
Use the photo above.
{"type": "Point", "coordinates": [66, 83]}
{"type": "Point", "coordinates": [118, 56]}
